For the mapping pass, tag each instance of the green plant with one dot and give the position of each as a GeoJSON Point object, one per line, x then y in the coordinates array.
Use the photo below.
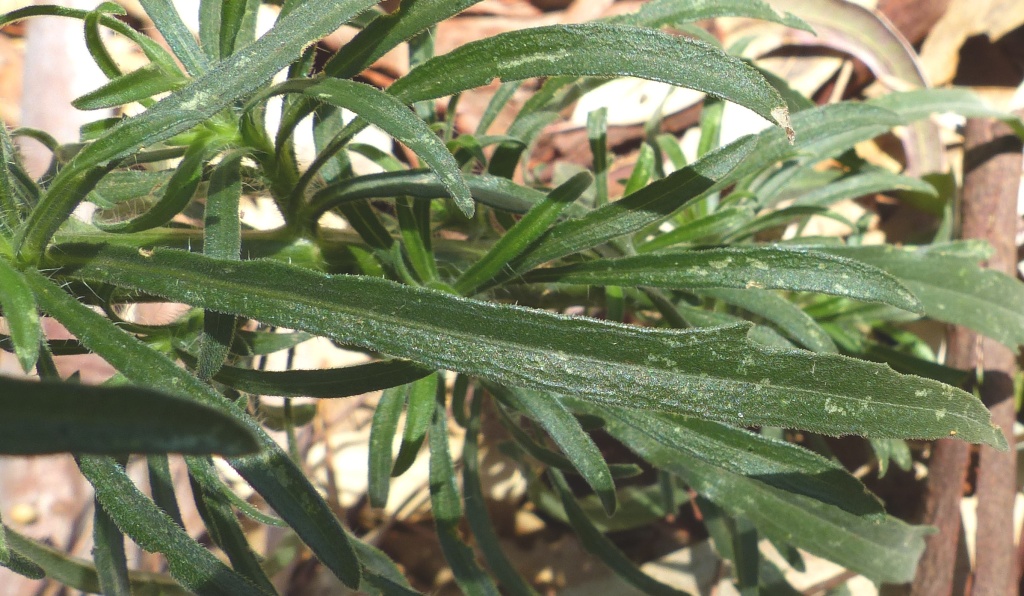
{"type": "Point", "coordinates": [713, 348]}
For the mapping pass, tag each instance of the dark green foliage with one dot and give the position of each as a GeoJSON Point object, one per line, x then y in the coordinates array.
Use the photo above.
{"type": "Point", "coordinates": [733, 332]}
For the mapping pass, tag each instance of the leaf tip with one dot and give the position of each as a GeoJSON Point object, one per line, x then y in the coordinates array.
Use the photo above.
{"type": "Point", "coordinates": [781, 116]}
{"type": "Point", "coordinates": [465, 205]}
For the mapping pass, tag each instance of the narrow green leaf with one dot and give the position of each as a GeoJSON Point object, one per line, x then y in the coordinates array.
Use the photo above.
{"type": "Point", "coordinates": [882, 548]}
{"type": "Point", "coordinates": [19, 310]}
{"type": "Point", "coordinates": [414, 224]}
{"type": "Point", "coordinates": [10, 210]}
{"type": "Point", "coordinates": [151, 48]}
{"type": "Point", "coordinates": [47, 417]}
{"type": "Point", "coordinates": [137, 85]}
{"type": "Point", "coordinates": [260, 343]}
{"type": "Point", "coordinates": [519, 239]}
{"type": "Point", "coordinates": [177, 194]}
{"type": "Point", "coordinates": [710, 227]}
{"type": "Point", "coordinates": [444, 504]}
{"type": "Point", "coordinates": [387, 31]}
{"type": "Point", "coordinates": [860, 184]}
{"type": "Point", "coordinates": [567, 433]}
{"type": "Point", "coordinates": [222, 525]}
{"type": "Point", "coordinates": [382, 433]}
{"type": "Point", "coordinates": [202, 470]}
{"type": "Point", "coordinates": [642, 172]}
{"type": "Point", "coordinates": [393, 117]}
{"type": "Point", "coordinates": [597, 134]}
{"type": "Point", "coordinates": [189, 106]}
{"type": "Point", "coordinates": [161, 486]}
{"type": "Point", "coordinates": [763, 267]}
{"type": "Point", "coordinates": [168, 22]}
{"type": "Point", "coordinates": [953, 289]}
{"type": "Point", "coordinates": [221, 232]}
{"type": "Point", "coordinates": [270, 472]}
{"type": "Point", "coordinates": [192, 565]}
{"type": "Point", "coordinates": [326, 383]}
{"type": "Point", "coordinates": [638, 210]}
{"type": "Point", "coordinates": [80, 574]}
{"type": "Point", "coordinates": [600, 546]}
{"type": "Point", "coordinates": [712, 373]}
{"type": "Point", "coordinates": [710, 125]}
{"type": "Point", "coordinates": [23, 565]}
{"type": "Point", "coordinates": [785, 315]}
{"type": "Point", "coordinates": [380, 571]}
{"type": "Point", "coordinates": [671, 12]}
{"type": "Point", "coordinates": [123, 185]}
{"type": "Point", "coordinates": [237, 25]}
{"type": "Point", "coordinates": [209, 27]}
{"type": "Point", "coordinates": [498, 101]}
{"type": "Point", "coordinates": [492, 191]}
{"type": "Point", "coordinates": [96, 44]}
{"type": "Point", "coordinates": [777, 463]}
{"type": "Point", "coordinates": [477, 515]}
{"type": "Point", "coordinates": [700, 317]}
{"type": "Point", "coordinates": [609, 363]}
{"type": "Point", "coordinates": [108, 553]}
{"type": "Point", "coordinates": [381, 35]}
{"type": "Point", "coordinates": [423, 395]}
{"type": "Point", "coordinates": [596, 50]}
{"type": "Point", "coordinates": [920, 103]}
{"type": "Point", "coordinates": [222, 238]}
{"type": "Point", "coordinates": [824, 132]}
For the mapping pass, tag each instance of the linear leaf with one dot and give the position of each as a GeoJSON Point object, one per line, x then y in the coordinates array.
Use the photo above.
{"type": "Point", "coordinates": [603, 548]}
{"type": "Point", "coordinates": [444, 504]}
{"type": "Point", "coordinates": [764, 267]}
{"type": "Point", "coordinates": [953, 289]}
{"type": "Point", "coordinates": [108, 553]}
{"type": "Point", "coordinates": [18, 307]}
{"type": "Point", "coordinates": [177, 35]}
{"type": "Point", "coordinates": [81, 574]}
{"type": "Point", "coordinates": [387, 31]}
{"type": "Point", "coordinates": [46, 417]}
{"type": "Point", "coordinates": [418, 413]}
{"type": "Point", "coordinates": [154, 51]}
{"type": "Point", "coordinates": [326, 383]}
{"type": "Point", "coordinates": [596, 50]}
{"type": "Point", "coordinates": [189, 106]}
{"type": "Point", "coordinates": [825, 131]}
{"type": "Point", "coordinates": [382, 433]}
{"type": "Point", "coordinates": [638, 210]}
{"type": "Point", "coordinates": [711, 373]}
{"type": "Point", "coordinates": [478, 517]}
{"type": "Point", "coordinates": [776, 497]}
{"type": "Point", "coordinates": [222, 525]}
{"type": "Point", "coordinates": [785, 315]}
{"type": "Point", "coordinates": [161, 486]}
{"type": "Point", "coordinates": [177, 193]}
{"type": "Point", "coordinates": [518, 239]}
{"type": "Point", "coordinates": [673, 12]}
{"type": "Point", "coordinates": [493, 191]}
{"type": "Point", "coordinates": [270, 472]}
{"type": "Point", "coordinates": [566, 432]}
{"type": "Point", "coordinates": [712, 226]}
{"type": "Point", "coordinates": [192, 565]}
{"type": "Point", "coordinates": [137, 85]}
{"type": "Point", "coordinates": [222, 238]}
{"type": "Point", "coordinates": [233, 27]}
{"type": "Point", "coordinates": [394, 118]}
{"type": "Point", "coordinates": [123, 185]}
{"type": "Point", "coordinates": [920, 103]}
{"type": "Point", "coordinates": [860, 184]}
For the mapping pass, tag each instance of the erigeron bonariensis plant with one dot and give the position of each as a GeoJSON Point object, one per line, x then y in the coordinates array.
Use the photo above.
{"type": "Point", "coordinates": [725, 334]}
